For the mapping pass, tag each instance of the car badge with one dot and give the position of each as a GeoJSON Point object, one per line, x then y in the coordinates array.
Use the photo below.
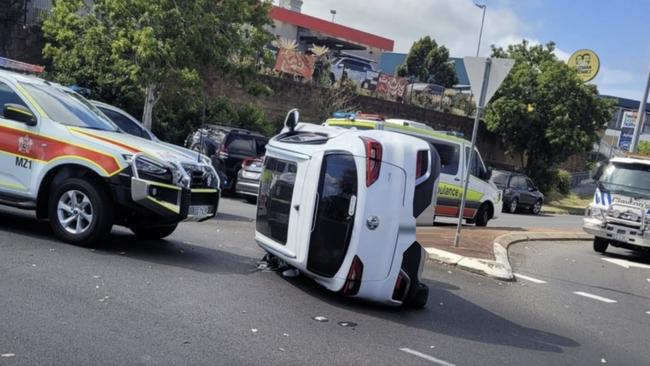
{"type": "Point", "coordinates": [25, 144]}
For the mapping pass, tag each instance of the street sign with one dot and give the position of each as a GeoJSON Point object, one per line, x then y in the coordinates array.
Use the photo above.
{"type": "Point", "coordinates": [499, 69]}
{"type": "Point", "coordinates": [485, 77]}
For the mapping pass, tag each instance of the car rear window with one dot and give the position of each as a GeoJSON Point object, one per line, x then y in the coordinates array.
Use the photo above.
{"type": "Point", "coordinates": [334, 215]}
{"type": "Point", "coordinates": [449, 157]}
{"type": "Point", "coordinates": [276, 192]}
{"type": "Point", "coordinates": [500, 179]}
{"type": "Point", "coordinates": [246, 145]}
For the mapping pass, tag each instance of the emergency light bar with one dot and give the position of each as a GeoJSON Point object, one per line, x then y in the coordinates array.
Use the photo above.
{"type": "Point", "coordinates": [14, 65]}
{"type": "Point", "coordinates": [352, 116]}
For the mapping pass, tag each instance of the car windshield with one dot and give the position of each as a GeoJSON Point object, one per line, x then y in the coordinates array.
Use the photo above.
{"type": "Point", "coordinates": [500, 179]}
{"type": "Point", "coordinates": [629, 179]}
{"type": "Point", "coordinates": [69, 108]}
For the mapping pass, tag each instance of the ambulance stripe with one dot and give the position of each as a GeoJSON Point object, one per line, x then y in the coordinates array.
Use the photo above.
{"type": "Point", "coordinates": [110, 141]}
{"type": "Point", "coordinates": [452, 211]}
{"type": "Point", "coordinates": [47, 149]}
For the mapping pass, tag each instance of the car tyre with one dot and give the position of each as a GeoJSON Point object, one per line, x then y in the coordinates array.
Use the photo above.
{"type": "Point", "coordinates": [251, 199]}
{"type": "Point", "coordinates": [600, 244]}
{"type": "Point", "coordinates": [153, 232]}
{"type": "Point", "coordinates": [80, 211]}
{"type": "Point", "coordinates": [482, 216]}
{"type": "Point", "coordinates": [512, 206]}
{"type": "Point", "coordinates": [536, 209]}
{"type": "Point", "coordinates": [418, 297]}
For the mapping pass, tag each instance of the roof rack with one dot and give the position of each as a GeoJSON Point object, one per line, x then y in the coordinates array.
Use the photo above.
{"type": "Point", "coordinates": [13, 65]}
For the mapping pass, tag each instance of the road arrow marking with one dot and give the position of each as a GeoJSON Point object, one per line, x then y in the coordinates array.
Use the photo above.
{"type": "Point", "coordinates": [527, 278]}
{"type": "Point", "coordinates": [626, 264]}
{"type": "Point", "coordinates": [595, 297]}
{"type": "Point", "coordinates": [426, 357]}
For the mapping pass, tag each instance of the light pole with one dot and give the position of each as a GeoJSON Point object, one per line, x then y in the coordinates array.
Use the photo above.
{"type": "Point", "coordinates": [480, 34]}
{"type": "Point", "coordinates": [333, 12]}
{"type": "Point", "coordinates": [640, 118]}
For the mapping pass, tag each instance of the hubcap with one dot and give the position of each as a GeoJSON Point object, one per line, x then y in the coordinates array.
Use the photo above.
{"type": "Point", "coordinates": [513, 206]}
{"type": "Point", "coordinates": [75, 212]}
{"type": "Point", "coordinates": [538, 207]}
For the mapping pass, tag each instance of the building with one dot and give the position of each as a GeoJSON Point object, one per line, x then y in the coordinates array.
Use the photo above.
{"type": "Point", "coordinates": [290, 23]}
{"type": "Point", "coordinates": [620, 128]}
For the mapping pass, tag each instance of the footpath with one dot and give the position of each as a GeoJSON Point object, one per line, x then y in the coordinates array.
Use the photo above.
{"type": "Point", "coordinates": [484, 250]}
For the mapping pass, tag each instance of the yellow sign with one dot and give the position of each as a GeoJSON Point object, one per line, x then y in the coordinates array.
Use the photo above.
{"type": "Point", "coordinates": [586, 63]}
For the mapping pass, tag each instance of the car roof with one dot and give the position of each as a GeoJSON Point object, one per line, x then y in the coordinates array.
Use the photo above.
{"type": "Point", "coordinates": [510, 173]}
{"type": "Point", "coordinates": [632, 160]}
{"type": "Point", "coordinates": [234, 130]}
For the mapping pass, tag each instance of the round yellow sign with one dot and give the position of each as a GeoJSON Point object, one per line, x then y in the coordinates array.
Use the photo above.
{"type": "Point", "coordinates": [586, 63]}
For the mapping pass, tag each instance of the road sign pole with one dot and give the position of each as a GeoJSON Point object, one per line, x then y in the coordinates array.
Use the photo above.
{"type": "Point", "coordinates": [470, 160]}
{"type": "Point", "coordinates": [640, 117]}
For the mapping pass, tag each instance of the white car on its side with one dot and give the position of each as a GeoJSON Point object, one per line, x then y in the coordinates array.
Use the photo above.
{"type": "Point", "coordinates": [340, 206]}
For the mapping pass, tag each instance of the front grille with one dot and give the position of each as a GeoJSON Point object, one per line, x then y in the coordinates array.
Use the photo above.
{"type": "Point", "coordinates": [200, 177]}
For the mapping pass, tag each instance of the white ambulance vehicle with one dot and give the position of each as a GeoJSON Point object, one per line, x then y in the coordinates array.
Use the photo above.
{"type": "Point", "coordinates": [340, 206]}
{"type": "Point", "coordinates": [63, 158]}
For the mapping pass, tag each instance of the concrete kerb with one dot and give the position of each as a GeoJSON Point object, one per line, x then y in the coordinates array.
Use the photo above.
{"type": "Point", "coordinates": [500, 267]}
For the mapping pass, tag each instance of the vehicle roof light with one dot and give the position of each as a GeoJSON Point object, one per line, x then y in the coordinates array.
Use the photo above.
{"type": "Point", "coordinates": [14, 65]}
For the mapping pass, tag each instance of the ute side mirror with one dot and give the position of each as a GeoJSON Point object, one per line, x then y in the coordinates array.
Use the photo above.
{"type": "Point", "coordinates": [598, 171]}
{"type": "Point", "coordinates": [292, 119]}
{"type": "Point", "coordinates": [19, 113]}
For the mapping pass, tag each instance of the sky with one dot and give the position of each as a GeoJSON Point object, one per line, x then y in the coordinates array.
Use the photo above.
{"type": "Point", "coordinates": [615, 30]}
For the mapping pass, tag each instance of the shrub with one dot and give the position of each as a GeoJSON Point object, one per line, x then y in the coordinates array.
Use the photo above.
{"type": "Point", "coordinates": [562, 181]}
{"type": "Point", "coordinates": [643, 147]}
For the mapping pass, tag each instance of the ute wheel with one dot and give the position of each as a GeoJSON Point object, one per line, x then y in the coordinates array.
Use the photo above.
{"type": "Point", "coordinates": [600, 244]}
{"type": "Point", "coordinates": [418, 297]}
{"type": "Point", "coordinates": [482, 216]}
{"type": "Point", "coordinates": [512, 207]}
{"type": "Point", "coordinates": [153, 232]}
{"type": "Point", "coordinates": [80, 211]}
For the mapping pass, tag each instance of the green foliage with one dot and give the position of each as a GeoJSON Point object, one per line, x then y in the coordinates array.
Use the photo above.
{"type": "Point", "coordinates": [643, 147]}
{"type": "Point", "coordinates": [562, 181]}
{"type": "Point", "coordinates": [142, 49]}
{"type": "Point", "coordinates": [543, 111]}
{"type": "Point", "coordinates": [429, 63]}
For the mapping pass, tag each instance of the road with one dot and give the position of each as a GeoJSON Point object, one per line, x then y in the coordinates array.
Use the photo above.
{"type": "Point", "coordinates": [199, 299]}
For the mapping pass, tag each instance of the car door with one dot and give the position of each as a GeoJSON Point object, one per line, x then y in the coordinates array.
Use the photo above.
{"type": "Point", "coordinates": [518, 184]}
{"type": "Point", "coordinates": [478, 185]}
{"type": "Point", "coordinates": [531, 192]}
{"type": "Point", "coordinates": [19, 147]}
{"type": "Point", "coordinates": [449, 187]}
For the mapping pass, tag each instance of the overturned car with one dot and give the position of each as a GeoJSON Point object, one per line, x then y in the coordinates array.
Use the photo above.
{"type": "Point", "coordinates": [341, 205]}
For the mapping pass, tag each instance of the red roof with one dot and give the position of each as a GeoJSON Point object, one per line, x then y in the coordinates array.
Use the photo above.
{"type": "Point", "coordinates": [332, 29]}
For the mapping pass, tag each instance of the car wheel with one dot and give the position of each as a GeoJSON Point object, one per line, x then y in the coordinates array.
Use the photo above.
{"type": "Point", "coordinates": [482, 216]}
{"type": "Point", "coordinates": [418, 297]}
{"type": "Point", "coordinates": [537, 207]}
{"type": "Point", "coordinates": [251, 199]}
{"type": "Point", "coordinates": [600, 244]}
{"type": "Point", "coordinates": [512, 207]}
{"type": "Point", "coordinates": [153, 232]}
{"type": "Point", "coordinates": [80, 211]}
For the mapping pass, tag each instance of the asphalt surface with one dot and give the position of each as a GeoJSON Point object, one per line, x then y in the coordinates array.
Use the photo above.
{"type": "Point", "coordinates": [199, 299]}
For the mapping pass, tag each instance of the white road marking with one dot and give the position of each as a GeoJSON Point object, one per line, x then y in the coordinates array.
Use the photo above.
{"type": "Point", "coordinates": [527, 278]}
{"type": "Point", "coordinates": [626, 264]}
{"type": "Point", "coordinates": [427, 357]}
{"type": "Point", "coordinates": [595, 297]}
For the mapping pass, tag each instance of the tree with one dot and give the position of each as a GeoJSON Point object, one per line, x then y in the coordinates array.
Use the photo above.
{"type": "Point", "coordinates": [429, 63]}
{"type": "Point", "coordinates": [543, 111]}
{"type": "Point", "coordinates": [11, 15]}
{"type": "Point", "coordinates": [148, 46]}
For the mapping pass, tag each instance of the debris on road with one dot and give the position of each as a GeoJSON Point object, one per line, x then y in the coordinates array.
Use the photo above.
{"type": "Point", "coordinates": [8, 355]}
{"type": "Point", "coordinates": [97, 277]}
{"type": "Point", "coordinates": [347, 324]}
{"type": "Point", "coordinates": [321, 319]}
{"type": "Point", "coordinates": [281, 349]}
{"type": "Point", "coordinates": [603, 360]}
{"type": "Point", "coordinates": [285, 334]}
{"type": "Point", "coordinates": [254, 330]}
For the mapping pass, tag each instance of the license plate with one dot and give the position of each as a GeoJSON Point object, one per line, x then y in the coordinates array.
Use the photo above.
{"type": "Point", "coordinates": [251, 175]}
{"type": "Point", "coordinates": [200, 211]}
{"type": "Point", "coordinates": [619, 237]}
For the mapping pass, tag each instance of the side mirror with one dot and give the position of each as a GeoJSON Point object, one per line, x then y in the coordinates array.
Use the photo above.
{"type": "Point", "coordinates": [340, 66]}
{"type": "Point", "coordinates": [598, 171]}
{"type": "Point", "coordinates": [488, 174]}
{"type": "Point", "coordinates": [19, 113]}
{"type": "Point", "coordinates": [292, 119]}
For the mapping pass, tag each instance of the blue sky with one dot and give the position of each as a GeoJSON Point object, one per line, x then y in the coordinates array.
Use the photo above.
{"type": "Point", "coordinates": [615, 30]}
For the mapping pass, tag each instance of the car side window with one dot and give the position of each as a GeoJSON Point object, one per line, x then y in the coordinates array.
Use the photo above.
{"type": "Point", "coordinates": [125, 123]}
{"type": "Point", "coordinates": [530, 184]}
{"type": "Point", "coordinates": [7, 95]}
{"type": "Point", "coordinates": [520, 182]}
{"type": "Point", "coordinates": [449, 157]}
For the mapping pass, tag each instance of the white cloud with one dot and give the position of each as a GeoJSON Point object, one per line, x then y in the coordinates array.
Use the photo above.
{"type": "Point", "coordinates": [619, 83]}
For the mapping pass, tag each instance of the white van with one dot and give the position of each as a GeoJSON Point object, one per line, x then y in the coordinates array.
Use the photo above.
{"type": "Point", "coordinates": [340, 206]}
{"type": "Point", "coordinates": [484, 199]}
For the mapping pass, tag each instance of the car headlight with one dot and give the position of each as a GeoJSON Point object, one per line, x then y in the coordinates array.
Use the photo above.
{"type": "Point", "coordinates": [149, 169]}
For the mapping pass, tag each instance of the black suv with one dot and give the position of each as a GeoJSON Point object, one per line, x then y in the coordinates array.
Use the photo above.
{"type": "Point", "coordinates": [519, 192]}
{"type": "Point", "coordinates": [228, 147]}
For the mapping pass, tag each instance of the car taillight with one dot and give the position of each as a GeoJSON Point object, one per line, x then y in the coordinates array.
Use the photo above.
{"type": "Point", "coordinates": [353, 281]}
{"type": "Point", "coordinates": [401, 286]}
{"type": "Point", "coordinates": [422, 164]}
{"type": "Point", "coordinates": [373, 159]}
{"type": "Point", "coordinates": [223, 152]}
{"type": "Point", "coordinates": [246, 162]}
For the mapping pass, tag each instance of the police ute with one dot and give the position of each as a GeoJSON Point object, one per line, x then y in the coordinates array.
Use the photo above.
{"type": "Point", "coordinates": [65, 159]}
{"type": "Point", "coordinates": [340, 206]}
{"type": "Point", "coordinates": [619, 214]}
